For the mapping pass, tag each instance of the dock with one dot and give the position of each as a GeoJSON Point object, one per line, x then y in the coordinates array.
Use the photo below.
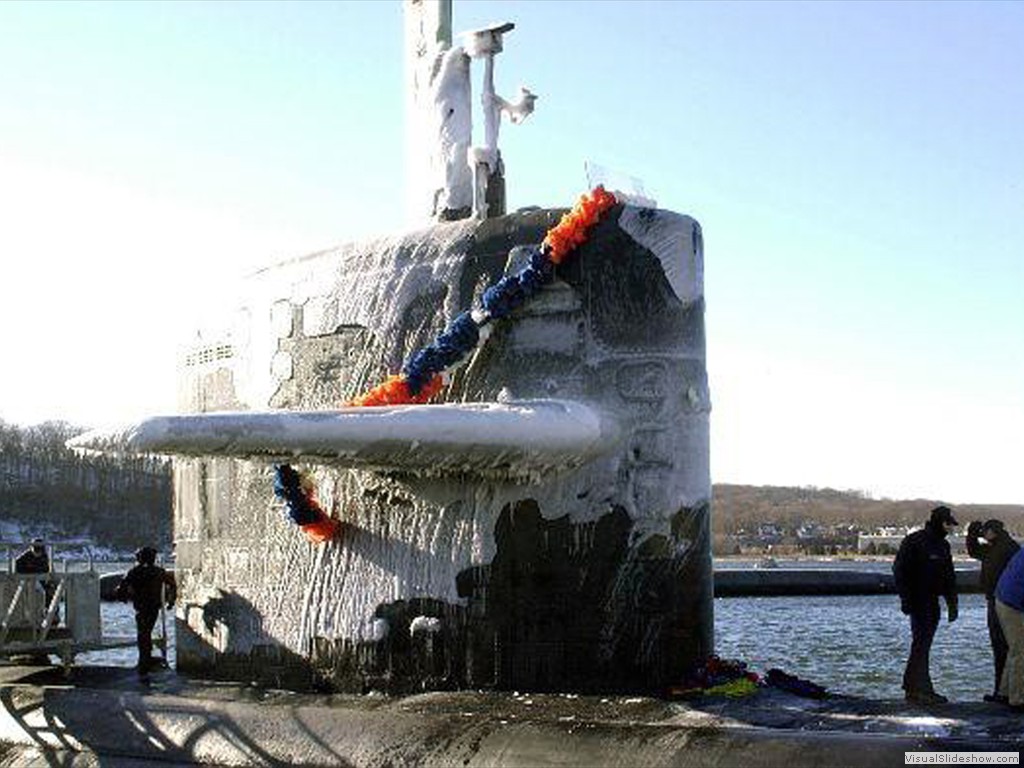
{"type": "Point", "coordinates": [796, 582]}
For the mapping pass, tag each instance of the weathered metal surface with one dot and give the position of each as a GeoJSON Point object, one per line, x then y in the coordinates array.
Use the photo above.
{"type": "Point", "coordinates": [104, 719]}
{"type": "Point", "coordinates": [596, 577]}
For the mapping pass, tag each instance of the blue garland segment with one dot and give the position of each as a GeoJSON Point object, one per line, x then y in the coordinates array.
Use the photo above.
{"type": "Point", "coordinates": [502, 297]}
{"type": "Point", "coordinates": [287, 486]}
{"type": "Point", "coordinates": [540, 260]}
{"type": "Point", "coordinates": [512, 291]}
{"type": "Point", "coordinates": [459, 339]}
{"type": "Point", "coordinates": [451, 346]}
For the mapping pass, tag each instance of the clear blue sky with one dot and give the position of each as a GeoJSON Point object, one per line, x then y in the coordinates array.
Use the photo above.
{"type": "Point", "coordinates": [857, 169]}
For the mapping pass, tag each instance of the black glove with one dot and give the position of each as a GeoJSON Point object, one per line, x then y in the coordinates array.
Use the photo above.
{"type": "Point", "coordinates": [953, 610]}
{"type": "Point", "coordinates": [974, 530]}
{"type": "Point", "coordinates": [905, 606]}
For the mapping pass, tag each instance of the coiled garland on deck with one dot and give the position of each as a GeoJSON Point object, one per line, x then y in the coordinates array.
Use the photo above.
{"type": "Point", "coordinates": [427, 370]}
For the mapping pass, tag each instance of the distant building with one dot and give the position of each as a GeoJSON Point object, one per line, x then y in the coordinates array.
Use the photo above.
{"type": "Point", "coordinates": [888, 540]}
{"type": "Point", "coordinates": [809, 531]}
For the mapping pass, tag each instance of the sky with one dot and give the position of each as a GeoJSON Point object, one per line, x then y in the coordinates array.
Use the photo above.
{"type": "Point", "coordinates": [856, 168]}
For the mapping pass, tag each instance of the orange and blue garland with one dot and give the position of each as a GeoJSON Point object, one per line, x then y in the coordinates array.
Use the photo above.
{"type": "Point", "coordinates": [298, 492]}
{"type": "Point", "coordinates": [424, 374]}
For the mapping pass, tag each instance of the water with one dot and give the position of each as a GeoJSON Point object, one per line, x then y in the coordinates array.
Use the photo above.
{"type": "Point", "coordinates": [850, 644]}
{"type": "Point", "coordinates": [118, 620]}
{"type": "Point", "coordinates": [854, 644]}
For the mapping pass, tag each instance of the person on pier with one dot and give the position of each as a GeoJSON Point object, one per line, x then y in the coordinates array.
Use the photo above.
{"type": "Point", "coordinates": [992, 545]}
{"type": "Point", "coordinates": [34, 559]}
{"type": "Point", "coordinates": [923, 571]}
{"type": "Point", "coordinates": [148, 586]}
{"type": "Point", "coordinates": [1010, 609]}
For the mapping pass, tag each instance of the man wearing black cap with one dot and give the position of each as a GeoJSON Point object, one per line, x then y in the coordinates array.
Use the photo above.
{"type": "Point", "coordinates": [34, 559]}
{"type": "Point", "coordinates": [990, 543]}
{"type": "Point", "coordinates": [148, 586]}
{"type": "Point", "coordinates": [924, 572]}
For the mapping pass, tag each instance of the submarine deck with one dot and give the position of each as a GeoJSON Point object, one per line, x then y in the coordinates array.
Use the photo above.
{"type": "Point", "coordinates": [110, 716]}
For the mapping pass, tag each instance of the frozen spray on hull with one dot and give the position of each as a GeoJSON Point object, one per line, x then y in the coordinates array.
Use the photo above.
{"type": "Point", "coordinates": [585, 570]}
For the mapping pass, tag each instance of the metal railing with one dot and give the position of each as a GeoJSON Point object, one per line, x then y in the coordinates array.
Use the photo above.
{"type": "Point", "coordinates": [58, 612]}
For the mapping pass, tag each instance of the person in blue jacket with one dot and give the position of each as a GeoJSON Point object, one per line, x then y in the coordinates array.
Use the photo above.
{"type": "Point", "coordinates": [923, 571]}
{"type": "Point", "coordinates": [1010, 609]}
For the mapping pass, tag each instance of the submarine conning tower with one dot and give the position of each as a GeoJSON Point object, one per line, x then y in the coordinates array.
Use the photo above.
{"type": "Point", "coordinates": [591, 573]}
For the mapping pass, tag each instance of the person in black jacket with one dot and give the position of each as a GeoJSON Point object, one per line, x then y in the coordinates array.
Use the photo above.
{"type": "Point", "coordinates": [34, 559]}
{"type": "Point", "coordinates": [147, 585]}
{"type": "Point", "coordinates": [924, 572]}
{"type": "Point", "coordinates": [990, 543]}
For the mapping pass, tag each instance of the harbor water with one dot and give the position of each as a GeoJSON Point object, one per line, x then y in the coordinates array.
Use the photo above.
{"type": "Point", "coordinates": [854, 645]}
{"type": "Point", "coordinates": [118, 620]}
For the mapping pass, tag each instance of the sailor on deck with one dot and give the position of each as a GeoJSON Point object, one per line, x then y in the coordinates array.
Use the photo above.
{"type": "Point", "coordinates": [147, 585]}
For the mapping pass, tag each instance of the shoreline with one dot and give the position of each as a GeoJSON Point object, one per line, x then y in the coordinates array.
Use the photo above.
{"type": "Point", "coordinates": [826, 559]}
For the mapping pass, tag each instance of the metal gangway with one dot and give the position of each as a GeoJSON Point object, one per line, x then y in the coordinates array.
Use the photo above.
{"type": "Point", "coordinates": [58, 613]}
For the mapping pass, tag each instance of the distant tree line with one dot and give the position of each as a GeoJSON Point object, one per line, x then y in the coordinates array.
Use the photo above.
{"type": "Point", "coordinates": [115, 499]}
{"type": "Point", "coordinates": [109, 499]}
{"type": "Point", "coordinates": [742, 507]}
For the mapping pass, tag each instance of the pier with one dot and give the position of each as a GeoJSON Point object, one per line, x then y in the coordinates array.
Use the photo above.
{"type": "Point", "coordinates": [796, 582]}
{"type": "Point", "coordinates": [765, 582]}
